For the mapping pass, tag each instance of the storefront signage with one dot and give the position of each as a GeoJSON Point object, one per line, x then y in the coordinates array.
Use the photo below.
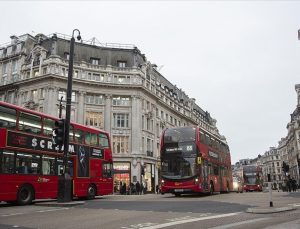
{"type": "Point", "coordinates": [121, 166]}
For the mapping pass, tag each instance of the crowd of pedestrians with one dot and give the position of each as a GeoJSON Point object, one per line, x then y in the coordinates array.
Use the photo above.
{"type": "Point", "coordinates": [291, 184]}
{"type": "Point", "coordinates": [136, 188]}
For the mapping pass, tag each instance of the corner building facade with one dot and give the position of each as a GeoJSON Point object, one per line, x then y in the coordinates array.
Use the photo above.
{"type": "Point", "coordinates": [114, 88]}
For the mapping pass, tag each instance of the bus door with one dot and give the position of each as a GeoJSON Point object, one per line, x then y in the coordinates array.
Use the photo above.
{"type": "Point", "coordinates": [205, 175]}
{"type": "Point", "coordinates": [221, 175]}
{"type": "Point", "coordinates": [107, 178]}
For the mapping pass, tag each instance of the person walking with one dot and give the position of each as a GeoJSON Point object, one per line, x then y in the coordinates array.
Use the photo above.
{"type": "Point", "coordinates": [138, 188]}
{"type": "Point", "coordinates": [157, 189]}
{"type": "Point", "coordinates": [294, 184]}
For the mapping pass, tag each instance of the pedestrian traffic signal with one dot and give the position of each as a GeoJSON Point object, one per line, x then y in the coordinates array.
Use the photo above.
{"type": "Point", "coordinates": [58, 132]}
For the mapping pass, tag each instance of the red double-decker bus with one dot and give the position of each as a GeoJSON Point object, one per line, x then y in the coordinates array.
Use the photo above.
{"type": "Point", "coordinates": [252, 176]}
{"type": "Point", "coordinates": [194, 161]}
{"type": "Point", "coordinates": [30, 164]}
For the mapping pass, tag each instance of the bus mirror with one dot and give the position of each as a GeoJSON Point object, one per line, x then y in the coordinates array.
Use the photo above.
{"type": "Point", "coordinates": [199, 160]}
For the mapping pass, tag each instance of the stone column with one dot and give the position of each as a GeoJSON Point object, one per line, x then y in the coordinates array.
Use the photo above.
{"type": "Point", "coordinates": [50, 106]}
{"type": "Point", "coordinates": [81, 107]}
{"type": "Point", "coordinates": [136, 129]}
{"type": "Point", "coordinates": [107, 113]}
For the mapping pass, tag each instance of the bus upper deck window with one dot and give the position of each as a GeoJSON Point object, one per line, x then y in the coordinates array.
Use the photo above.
{"type": "Point", "coordinates": [79, 135]}
{"type": "Point", "coordinates": [30, 123]}
{"type": "Point", "coordinates": [48, 126]}
{"type": "Point", "coordinates": [103, 140]}
{"type": "Point", "coordinates": [7, 117]}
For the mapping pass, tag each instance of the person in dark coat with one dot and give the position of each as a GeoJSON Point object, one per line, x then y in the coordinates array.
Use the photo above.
{"type": "Point", "coordinates": [138, 188]}
{"type": "Point", "coordinates": [294, 184]}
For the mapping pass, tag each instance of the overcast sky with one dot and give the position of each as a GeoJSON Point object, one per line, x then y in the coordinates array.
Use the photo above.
{"type": "Point", "coordinates": [239, 60]}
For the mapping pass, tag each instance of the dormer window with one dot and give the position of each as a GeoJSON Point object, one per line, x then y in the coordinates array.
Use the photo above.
{"type": "Point", "coordinates": [95, 61]}
{"type": "Point", "coordinates": [121, 64]}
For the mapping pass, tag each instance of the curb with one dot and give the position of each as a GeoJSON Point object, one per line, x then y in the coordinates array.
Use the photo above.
{"type": "Point", "coordinates": [270, 210]}
{"type": "Point", "coordinates": [60, 204]}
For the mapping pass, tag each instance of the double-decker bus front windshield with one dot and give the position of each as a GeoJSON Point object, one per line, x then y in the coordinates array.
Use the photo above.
{"type": "Point", "coordinates": [250, 176]}
{"type": "Point", "coordinates": [179, 153]}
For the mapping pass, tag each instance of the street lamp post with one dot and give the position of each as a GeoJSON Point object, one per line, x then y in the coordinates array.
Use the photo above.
{"type": "Point", "coordinates": [65, 181]}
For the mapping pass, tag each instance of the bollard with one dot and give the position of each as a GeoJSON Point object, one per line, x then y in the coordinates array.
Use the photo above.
{"type": "Point", "coordinates": [270, 194]}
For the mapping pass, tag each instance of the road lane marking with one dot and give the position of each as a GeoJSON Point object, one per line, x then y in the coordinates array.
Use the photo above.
{"type": "Point", "coordinates": [239, 223]}
{"type": "Point", "coordinates": [12, 214]}
{"type": "Point", "coordinates": [157, 226]}
{"type": "Point", "coordinates": [51, 210]}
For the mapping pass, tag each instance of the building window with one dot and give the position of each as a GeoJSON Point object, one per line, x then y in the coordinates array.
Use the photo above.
{"type": "Point", "coordinates": [93, 118]}
{"type": "Point", "coordinates": [94, 99]}
{"type": "Point", "coordinates": [34, 94]}
{"type": "Point", "coordinates": [121, 64]}
{"type": "Point", "coordinates": [4, 68]}
{"type": "Point", "coordinates": [120, 144]}
{"type": "Point", "coordinates": [95, 61]}
{"type": "Point", "coordinates": [67, 55]}
{"type": "Point", "coordinates": [42, 93]}
{"type": "Point", "coordinates": [24, 96]}
{"type": "Point", "coordinates": [121, 101]}
{"type": "Point", "coordinates": [14, 66]}
{"type": "Point", "coordinates": [63, 94]}
{"type": "Point", "coordinates": [120, 120]}
{"type": "Point", "coordinates": [121, 79]}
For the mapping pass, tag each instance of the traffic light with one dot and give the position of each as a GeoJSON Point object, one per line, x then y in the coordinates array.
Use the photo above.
{"type": "Point", "coordinates": [58, 132]}
{"type": "Point", "coordinates": [285, 167]}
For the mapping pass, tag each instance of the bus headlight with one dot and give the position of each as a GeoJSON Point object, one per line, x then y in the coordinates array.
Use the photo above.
{"type": "Point", "coordinates": [196, 180]}
{"type": "Point", "coordinates": [162, 181]}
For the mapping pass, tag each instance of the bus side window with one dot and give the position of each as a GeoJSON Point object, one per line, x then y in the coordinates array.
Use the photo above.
{"type": "Point", "coordinates": [48, 126]}
{"type": "Point", "coordinates": [79, 136]}
{"type": "Point", "coordinates": [87, 138]}
{"type": "Point", "coordinates": [71, 133]}
{"type": "Point", "coordinates": [60, 167]}
{"type": "Point", "coordinates": [27, 164]}
{"type": "Point", "coordinates": [94, 139]}
{"type": "Point", "coordinates": [30, 123]}
{"type": "Point", "coordinates": [216, 170]}
{"type": "Point", "coordinates": [103, 141]}
{"type": "Point", "coordinates": [8, 118]}
{"type": "Point", "coordinates": [48, 165]}
{"type": "Point", "coordinates": [7, 162]}
{"type": "Point", "coordinates": [202, 138]}
{"type": "Point", "coordinates": [107, 170]}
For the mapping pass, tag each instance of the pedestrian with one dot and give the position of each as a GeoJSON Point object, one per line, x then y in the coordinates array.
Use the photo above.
{"type": "Point", "coordinates": [294, 184]}
{"type": "Point", "coordinates": [137, 188]}
{"type": "Point", "coordinates": [157, 189]}
{"type": "Point", "coordinates": [124, 189]}
{"type": "Point", "coordinates": [289, 184]}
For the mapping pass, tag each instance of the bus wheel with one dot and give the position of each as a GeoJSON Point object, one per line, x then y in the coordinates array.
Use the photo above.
{"type": "Point", "coordinates": [211, 189]}
{"type": "Point", "coordinates": [91, 192]}
{"type": "Point", "coordinates": [177, 194]}
{"type": "Point", "coordinates": [25, 195]}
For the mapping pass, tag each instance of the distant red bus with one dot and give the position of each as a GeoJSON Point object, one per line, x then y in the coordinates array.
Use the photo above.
{"type": "Point", "coordinates": [194, 161]}
{"type": "Point", "coordinates": [30, 164]}
{"type": "Point", "coordinates": [252, 176]}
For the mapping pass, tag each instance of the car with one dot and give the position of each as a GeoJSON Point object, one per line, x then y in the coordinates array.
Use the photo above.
{"type": "Point", "coordinates": [237, 185]}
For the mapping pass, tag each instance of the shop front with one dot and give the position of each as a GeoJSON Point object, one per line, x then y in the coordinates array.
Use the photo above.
{"type": "Point", "coordinates": [149, 177]}
{"type": "Point", "coordinates": [121, 175]}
